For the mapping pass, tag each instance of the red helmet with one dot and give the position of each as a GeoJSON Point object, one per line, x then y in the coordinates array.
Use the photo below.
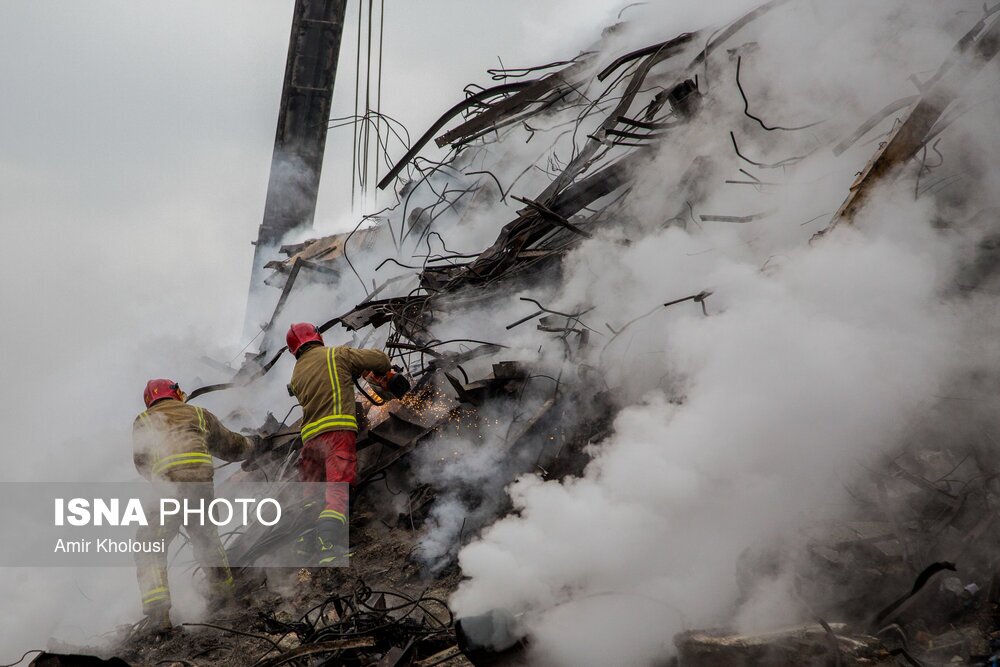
{"type": "Point", "coordinates": [157, 390]}
{"type": "Point", "coordinates": [301, 333]}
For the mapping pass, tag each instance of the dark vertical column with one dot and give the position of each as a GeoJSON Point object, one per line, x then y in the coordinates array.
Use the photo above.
{"type": "Point", "coordinates": [306, 96]}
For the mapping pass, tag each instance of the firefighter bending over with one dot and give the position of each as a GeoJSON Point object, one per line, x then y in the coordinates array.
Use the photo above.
{"type": "Point", "coordinates": [322, 383]}
{"type": "Point", "coordinates": [174, 442]}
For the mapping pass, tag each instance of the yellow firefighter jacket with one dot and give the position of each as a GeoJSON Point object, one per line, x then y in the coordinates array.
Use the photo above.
{"type": "Point", "coordinates": [322, 383]}
{"type": "Point", "coordinates": [175, 441]}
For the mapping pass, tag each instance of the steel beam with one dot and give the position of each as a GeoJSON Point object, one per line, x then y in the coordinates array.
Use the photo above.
{"type": "Point", "coordinates": [303, 117]}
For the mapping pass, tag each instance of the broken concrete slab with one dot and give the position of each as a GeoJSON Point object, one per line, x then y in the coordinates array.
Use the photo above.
{"type": "Point", "coordinates": [803, 646]}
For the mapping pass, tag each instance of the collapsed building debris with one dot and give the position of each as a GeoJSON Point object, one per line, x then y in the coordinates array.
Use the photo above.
{"type": "Point", "coordinates": [46, 659]}
{"type": "Point", "coordinates": [300, 140]}
{"type": "Point", "coordinates": [924, 122]}
{"type": "Point", "coordinates": [926, 516]}
{"type": "Point", "coordinates": [820, 644]}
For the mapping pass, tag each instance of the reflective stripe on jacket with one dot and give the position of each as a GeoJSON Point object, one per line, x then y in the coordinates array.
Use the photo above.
{"type": "Point", "coordinates": [322, 383]}
{"type": "Point", "coordinates": [176, 441]}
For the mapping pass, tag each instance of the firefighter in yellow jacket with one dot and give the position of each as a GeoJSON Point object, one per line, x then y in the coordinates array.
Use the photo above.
{"type": "Point", "coordinates": [322, 382]}
{"type": "Point", "coordinates": [174, 443]}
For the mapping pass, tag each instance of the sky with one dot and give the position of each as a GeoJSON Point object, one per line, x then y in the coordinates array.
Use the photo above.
{"type": "Point", "coordinates": [138, 136]}
{"type": "Point", "coordinates": [134, 162]}
{"type": "Point", "coordinates": [134, 154]}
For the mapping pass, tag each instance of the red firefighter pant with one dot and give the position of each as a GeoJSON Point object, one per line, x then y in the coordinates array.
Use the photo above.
{"type": "Point", "coordinates": [332, 457]}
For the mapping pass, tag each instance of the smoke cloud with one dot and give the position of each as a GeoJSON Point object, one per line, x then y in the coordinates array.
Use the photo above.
{"type": "Point", "coordinates": [133, 178]}
{"type": "Point", "coordinates": [738, 427]}
{"type": "Point", "coordinates": [733, 428]}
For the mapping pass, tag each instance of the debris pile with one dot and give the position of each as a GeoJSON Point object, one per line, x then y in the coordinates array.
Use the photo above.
{"type": "Point", "coordinates": [908, 572]}
{"type": "Point", "coordinates": [808, 645]}
{"type": "Point", "coordinates": [893, 567]}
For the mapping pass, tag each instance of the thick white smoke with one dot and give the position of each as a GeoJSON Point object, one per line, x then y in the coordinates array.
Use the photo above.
{"type": "Point", "coordinates": [735, 425]}
{"type": "Point", "coordinates": [740, 425]}
{"type": "Point", "coordinates": [797, 372]}
{"type": "Point", "coordinates": [133, 180]}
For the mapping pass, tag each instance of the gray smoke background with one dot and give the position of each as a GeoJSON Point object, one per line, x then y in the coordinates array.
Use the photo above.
{"type": "Point", "coordinates": [130, 222]}
{"type": "Point", "coordinates": [814, 360]}
{"type": "Point", "coordinates": [134, 159]}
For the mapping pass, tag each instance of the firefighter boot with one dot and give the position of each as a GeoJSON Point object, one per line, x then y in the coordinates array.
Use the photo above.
{"type": "Point", "coordinates": [331, 542]}
{"type": "Point", "coordinates": [304, 547]}
{"type": "Point", "coordinates": [158, 621]}
{"type": "Point", "coordinates": [221, 600]}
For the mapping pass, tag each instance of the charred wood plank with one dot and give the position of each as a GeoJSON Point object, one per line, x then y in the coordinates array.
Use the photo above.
{"type": "Point", "coordinates": [531, 93]}
{"type": "Point", "coordinates": [970, 54]}
{"type": "Point", "coordinates": [664, 49]}
{"type": "Point", "coordinates": [518, 234]}
{"type": "Point", "coordinates": [443, 120]}
{"type": "Point", "coordinates": [579, 163]}
{"type": "Point", "coordinates": [552, 216]}
{"type": "Point", "coordinates": [874, 120]}
{"type": "Point", "coordinates": [734, 28]}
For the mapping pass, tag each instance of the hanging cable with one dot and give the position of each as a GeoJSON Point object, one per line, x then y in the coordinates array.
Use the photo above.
{"type": "Point", "coordinates": [378, 94]}
{"type": "Point", "coordinates": [354, 130]}
{"type": "Point", "coordinates": [366, 141]}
